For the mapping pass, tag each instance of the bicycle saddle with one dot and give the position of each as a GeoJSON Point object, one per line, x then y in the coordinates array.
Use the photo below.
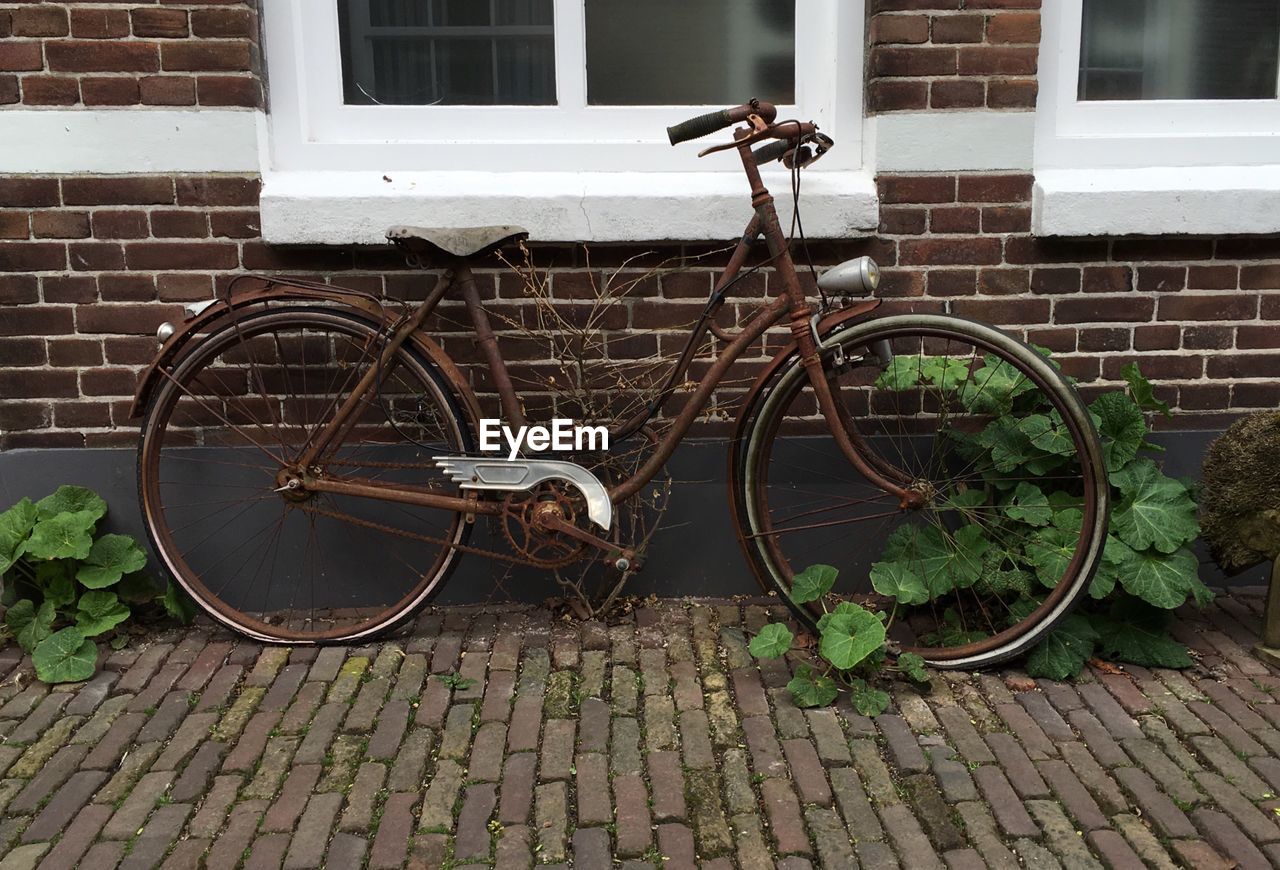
{"type": "Point", "coordinates": [447, 242]}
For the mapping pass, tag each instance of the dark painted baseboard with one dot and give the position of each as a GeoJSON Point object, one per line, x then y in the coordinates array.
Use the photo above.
{"type": "Point", "coordinates": [695, 553]}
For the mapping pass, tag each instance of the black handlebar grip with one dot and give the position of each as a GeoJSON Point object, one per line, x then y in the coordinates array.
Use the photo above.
{"type": "Point", "coordinates": [699, 126]}
{"type": "Point", "coordinates": [773, 151]}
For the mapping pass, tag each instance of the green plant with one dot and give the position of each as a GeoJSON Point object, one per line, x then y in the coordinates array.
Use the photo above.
{"type": "Point", "coordinates": [65, 586]}
{"type": "Point", "coordinates": [457, 681]}
{"type": "Point", "coordinates": [851, 646]}
{"type": "Point", "coordinates": [1017, 550]}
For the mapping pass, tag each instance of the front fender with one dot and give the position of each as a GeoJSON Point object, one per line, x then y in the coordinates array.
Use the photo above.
{"type": "Point", "coordinates": [254, 291]}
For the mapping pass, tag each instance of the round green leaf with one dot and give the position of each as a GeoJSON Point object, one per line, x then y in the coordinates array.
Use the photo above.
{"type": "Point", "coordinates": [1064, 652]}
{"type": "Point", "coordinates": [1030, 506]}
{"type": "Point", "coordinates": [72, 500]}
{"type": "Point", "coordinates": [1161, 580]}
{"type": "Point", "coordinates": [15, 525]}
{"type": "Point", "coordinates": [867, 700]}
{"type": "Point", "coordinates": [30, 624]}
{"type": "Point", "coordinates": [65, 656]}
{"type": "Point", "coordinates": [812, 583]}
{"type": "Point", "coordinates": [912, 667]}
{"type": "Point", "coordinates": [773, 640]}
{"type": "Point", "coordinates": [111, 557]}
{"type": "Point", "coordinates": [62, 536]}
{"type": "Point", "coordinates": [812, 690]}
{"type": "Point", "coordinates": [899, 580]}
{"type": "Point", "coordinates": [852, 634]}
{"type": "Point", "coordinates": [177, 604]}
{"type": "Point", "coordinates": [99, 611]}
{"type": "Point", "coordinates": [1137, 633]}
{"type": "Point", "coordinates": [1156, 511]}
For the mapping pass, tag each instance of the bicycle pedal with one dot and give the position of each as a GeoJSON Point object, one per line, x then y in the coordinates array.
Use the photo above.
{"type": "Point", "coordinates": [522, 475]}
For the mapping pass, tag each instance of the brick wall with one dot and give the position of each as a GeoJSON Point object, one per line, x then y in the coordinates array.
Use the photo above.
{"type": "Point", "coordinates": [90, 266]}
{"type": "Point", "coordinates": [109, 54]}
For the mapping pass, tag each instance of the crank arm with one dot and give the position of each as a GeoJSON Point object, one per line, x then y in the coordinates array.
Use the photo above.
{"type": "Point", "coordinates": [624, 557]}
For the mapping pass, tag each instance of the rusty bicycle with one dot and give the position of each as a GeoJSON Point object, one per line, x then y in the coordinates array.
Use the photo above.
{"type": "Point", "coordinates": [309, 472]}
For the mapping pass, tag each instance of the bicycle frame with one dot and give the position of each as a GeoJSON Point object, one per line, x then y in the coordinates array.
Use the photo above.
{"type": "Point", "coordinates": [789, 304]}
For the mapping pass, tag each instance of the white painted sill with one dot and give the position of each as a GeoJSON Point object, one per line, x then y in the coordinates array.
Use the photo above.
{"type": "Point", "coordinates": [341, 208]}
{"type": "Point", "coordinates": [1156, 201]}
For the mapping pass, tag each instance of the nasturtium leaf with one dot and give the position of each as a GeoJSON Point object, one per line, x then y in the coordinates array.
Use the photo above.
{"type": "Point", "coordinates": [177, 604]}
{"type": "Point", "coordinates": [992, 388]}
{"type": "Point", "coordinates": [1162, 580]}
{"type": "Point", "coordinates": [1155, 511]}
{"type": "Point", "coordinates": [1046, 434]}
{"type": "Point", "coordinates": [1029, 505]}
{"type": "Point", "coordinates": [1137, 633]}
{"type": "Point", "coordinates": [72, 500]}
{"type": "Point", "coordinates": [30, 624]}
{"type": "Point", "coordinates": [65, 656]}
{"type": "Point", "coordinates": [1122, 427]}
{"type": "Point", "coordinates": [1064, 652]}
{"type": "Point", "coordinates": [902, 373]}
{"type": "Point", "coordinates": [851, 635]}
{"type": "Point", "coordinates": [1050, 552]}
{"type": "Point", "coordinates": [942, 561]}
{"type": "Point", "coordinates": [773, 640]}
{"type": "Point", "coordinates": [899, 581]}
{"type": "Point", "coordinates": [912, 667]}
{"type": "Point", "coordinates": [15, 525]}
{"type": "Point", "coordinates": [1140, 389]}
{"type": "Point", "coordinates": [1008, 446]}
{"type": "Point", "coordinates": [809, 689]}
{"type": "Point", "coordinates": [111, 557]}
{"type": "Point", "coordinates": [99, 611]}
{"type": "Point", "coordinates": [944, 372]}
{"type": "Point", "coordinates": [868, 701]}
{"type": "Point", "coordinates": [62, 536]}
{"type": "Point", "coordinates": [812, 583]}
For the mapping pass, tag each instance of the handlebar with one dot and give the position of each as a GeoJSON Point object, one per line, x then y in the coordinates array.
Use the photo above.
{"type": "Point", "coordinates": [775, 150]}
{"type": "Point", "coordinates": [695, 128]}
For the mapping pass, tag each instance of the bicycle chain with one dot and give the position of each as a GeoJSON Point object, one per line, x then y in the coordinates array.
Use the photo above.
{"type": "Point", "coordinates": [413, 536]}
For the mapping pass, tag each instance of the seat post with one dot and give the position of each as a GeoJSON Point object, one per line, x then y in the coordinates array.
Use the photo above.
{"type": "Point", "coordinates": [489, 344]}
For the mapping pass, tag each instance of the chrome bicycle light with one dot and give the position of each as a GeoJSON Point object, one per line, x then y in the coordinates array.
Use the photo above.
{"type": "Point", "coordinates": [851, 277]}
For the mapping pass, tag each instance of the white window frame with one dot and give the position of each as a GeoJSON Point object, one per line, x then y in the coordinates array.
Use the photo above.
{"type": "Point", "coordinates": [505, 164]}
{"type": "Point", "coordinates": [1146, 167]}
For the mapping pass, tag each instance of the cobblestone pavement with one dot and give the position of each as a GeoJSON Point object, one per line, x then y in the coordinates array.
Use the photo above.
{"type": "Point", "coordinates": [507, 738]}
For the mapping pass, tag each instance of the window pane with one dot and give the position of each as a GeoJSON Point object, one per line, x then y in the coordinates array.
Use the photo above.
{"type": "Point", "coordinates": [690, 52]}
{"type": "Point", "coordinates": [1179, 50]}
{"type": "Point", "coordinates": [451, 52]}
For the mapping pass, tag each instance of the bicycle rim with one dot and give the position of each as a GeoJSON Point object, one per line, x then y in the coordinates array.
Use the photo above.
{"type": "Point", "coordinates": [801, 502]}
{"type": "Point", "coordinates": [236, 410]}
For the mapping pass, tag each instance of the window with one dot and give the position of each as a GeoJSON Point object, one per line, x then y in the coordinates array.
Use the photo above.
{"type": "Point", "coordinates": [1158, 116]}
{"type": "Point", "coordinates": [558, 105]}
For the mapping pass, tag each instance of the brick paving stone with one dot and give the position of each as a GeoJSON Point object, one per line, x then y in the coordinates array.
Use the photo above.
{"type": "Point", "coordinates": [696, 740]}
{"type": "Point", "coordinates": [594, 805]}
{"type": "Point", "coordinates": [624, 751]}
{"type": "Point", "coordinates": [497, 696]}
{"type": "Point", "coordinates": [753, 852]}
{"type": "Point", "coordinates": [807, 772]}
{"type": "Point", "coordinates": [632, 815]}
{"type": "Point", "coordinates": [199, 771]}
{"type": "Point", "coordinates": [516, 794]}
{"type": "Point", "coordinates": [1073, 795]}
{"type": "Point", "coordinates": [1033, 739]}
{"type": "Point", "coordinates": [52, 775]}
{"type": "Point", "coordinates": [953, 777]}
{"type": "Point", "coordinates": [39, 719]}
{"type": "Point", "coordinates": [1144, 842]}
{"type": "Point", "coordinates": [557, 748]}
{"type": "Point", "coordinates": [276, 761]}
{"type": "Point", "coordinates": [472, 838]}
{"type": "Point", "coordinates": [284, 812]}
{"type": "Point", "coordinates": [268, 852]}
{"type": "Point", "coordinates": [77, 838]}
{"type": "Point", "coordinates": [1226, 728]}
{"type": "Point", "coordinates": [219, 688]}
{"type": "Point", "coordinates": [852, 800]}
{"type": "Point", "coordinates": [137, 806]}
{"type": "Point", "coordinates": [1005, 804]}
{"type": "Point", "coordinates": [1155, 804]}
{"type": "Point", "coordinates": [667, 784]}
{"type": "Point", "coordinates": [1227, 838]}
{"type": "Point", "coordinates": [903, 746]}
{"type": "Point", "coordinates": [391, 844]}
{"type": "Point", "coordinates": [160, 832]}
{"type": "Point", "coordinates": [187, 853]}
{"type": "Point", "coordinates": [411, 761]}
{"type": "Point", "coordinates": [346, 850]}
{"type": "Point", "coordinates": [297, 716]}
{"type": "Point", "coordinates": [828, 737]}
{"type": "Point", "coordinates": [1202, 856]}
{"type": "Point", "coordinates": [964, 735]}
{"type": "Point", "coordinates": [1115, 852]}
{"type": "Point", "coordinates": [1252, 821]}
{"type": "Point", "coordinates": [1227, 763]}
{"type": "Point", "coordinates": [706, 811]}
{"type": "Point", "coordinates": [217, 804]}
{"type": "Point", "coordinates": [785, 821]}
{"type": "Point", "coordinates": [1049, 718]}
{"type": "Point", "coordinates": [1035, 855]}
{"type": "Point", "coordinates": [551, 812]}
{"type": "Point", "coordinates": [909, 839]}
{"type": "Point", "coordinates": [1017, 766]}
{"type": "Point", "coordinates": [933, 812]}
{"type": "Point", "coordinates": [358, 816]}
{"type": "Point", "coordinates": [1061, 837]}
{"type": "Point", "coordinates": [66, 802]}
{"type": "Point", "coordinates": [439, 798]}
{"type": "Point", "coordinates": [238, 835]}
{"type": "Point", "coordinates": [24, 857]}
{"type": "Point", "coordinates": [676, 844]}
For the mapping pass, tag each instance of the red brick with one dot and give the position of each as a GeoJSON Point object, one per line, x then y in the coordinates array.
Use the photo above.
{"type": "Point", "coordinates": [6, 23]}
{"type": "Point", "coordinates": [1260, 277]}
{"type": "Point", "coordinates": [42, 20]}
{"type": "Point", "coordinates": [1005, 282]}
{"type": "Point", "coordinates": [1161, 279]}
{"type": "Point", "coordinates": [60, 224]}
{"type": "Point", "coordinates": [1103, 309]}
{"type": "Point", "coordinates": [963, 219]}
{"type": "Point", "coordinates": [1028, 250]}
{"type": "Point", "coordinates": [1197, 307]}
{"type": "Point", "coordinates": [218, 191]}
{"type": "Point", "coordinates": [130, 190]}
{"type": "Point", "coordinates": [1170, 248]}
{"type": "Point", "coordinates": [224, 23]}
{"type": "Point", "coordinates": [32, 256]}
{"type": "Point", "coordinates": [19, 289]}
{"type": "Point", "coordinates": [120, 224]}
{"type": "Point", "coordinates": [1213, 277]}
{"type": "Point", "coordinates": [1006, 219]}
{"type": "Point", "coordinates": [917, 188]}
{"type": "Point", "coordinates": [180, 287]}
{"type": "Point", "coordinates": [37, 384]}
{"type": "Point", "coordinates": [69, 288]}
{"type": "Point", "coordinates": [160, 22]}
{"type": "Point", "coordinates": [913, 61]}
{"type": "Point", "coordinates": [95, 256]}
{"type": "Point", "coordinates": [1203, 397]}
{"type": "Point", "coordinates": [1252, 337]}
{"type": "Point", "coordinates": [1102, 340]}
{"type": "Point", "coordinates": [957, 93]}
{"type": "Point", "coordinates": [168, 91]}
{"type": "Point", "coordinates": [50, 91]}
{"type": "Point", "coordinates": [1249, 248]}
{"type": "Point", "coordinates": [235, 224]}
{"type": "Point", "coordinates": [903, 221]}
{"type": "Point", "coordinates": [957, 28]}
{"type": "Point", "coordinates": [206, 56]}
{"type": "Point", "coordinates": [994, 188]}
{"type": "Point", "coordinates": [1108, 279]}
{"type": "Point", "coordinates": [953, 282]}
{"type": "Point", "coordinates": [35, 321]}
{"type": "Point", "coordinates": [15, 225]}
{"type": "Point", "coordinates": [1242, 365]}
{"type": "Point", "coordinates": [1012, 93]}
{"type": "Point", "coordinates": [1156, 337]}
{"type": "Point", "coordinates": [911, 5]}
{"type": "Point", "coordinates": [126, 287]}
{"type": "Point", "coordinates": [179, 224]}
{"type": "Point", "coordinates": [1014, 27]}
{"type": "Point", "coordinates": [123, 319]}
{"type": "Point", "coordinates": [114, 91]}
{"type": "Point", "coordinates": [1056, 281]}
{"type": "Point", "coordinates": [899, 29]}
{"type": "Point", "coordinates": [103, 56]}
{"type": "Point", "coordinates": [99, 23]}
{"type": "Point", "coordinates": [228, 91]}
{"type": "Point", "coordinates": [1056, 340]}
{"type": "Point", "coordinates": [1004, 311]}
{"type": "Point", "coordinates": [998, 60]}
{"type": "Point", "coordinates": [950, 252]}
{"type": "Point", "coordinates": [24, 415]}
{"type": "Point", "coordinates": [896, 96]}
{"type": "Point", "coordinates": [20, 56]}
{"type": "Point", "coordinates": [182, 255]}
{"type": "Point", "coordinates": [8, 90]}
{"type": "Point", "coordinates": [22, 352]}
{"type": "Point", "coordinates": [1208, 337]}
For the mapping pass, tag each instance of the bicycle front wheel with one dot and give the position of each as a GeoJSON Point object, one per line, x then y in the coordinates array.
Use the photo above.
{"type": "Point", "coordinates": [222, 438]}
{"type": "Point", "coordinates": [1009, 494]}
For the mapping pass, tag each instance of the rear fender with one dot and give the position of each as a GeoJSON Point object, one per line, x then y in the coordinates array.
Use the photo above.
{"type": "Point", "coordinates": [256, 292]}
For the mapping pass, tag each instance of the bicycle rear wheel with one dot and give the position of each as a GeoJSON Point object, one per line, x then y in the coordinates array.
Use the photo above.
{"type": "Point", "coordinates": [1002, 454]}
{"type": "Point", "coordinates": [234, 414]}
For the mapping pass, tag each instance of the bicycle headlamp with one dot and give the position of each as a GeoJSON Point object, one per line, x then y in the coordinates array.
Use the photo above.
{"type": "Point", "coordinates": [851, 278]}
